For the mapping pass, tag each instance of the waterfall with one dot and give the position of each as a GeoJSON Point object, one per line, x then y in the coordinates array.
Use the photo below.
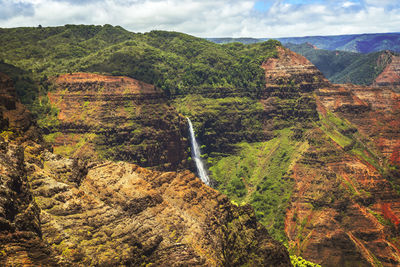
{"type": "Point", "coordinates": [201, 170]}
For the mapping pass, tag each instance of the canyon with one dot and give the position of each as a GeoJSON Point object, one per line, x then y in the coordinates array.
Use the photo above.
{"type": "Point", "coordinates": [105, 177]}
{"type": "Point", "coordinates": [73, 211]}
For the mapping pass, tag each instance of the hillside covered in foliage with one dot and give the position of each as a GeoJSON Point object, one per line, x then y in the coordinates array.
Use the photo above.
{"type": "Point", "coordinates": [175, 62]}
{"type": "Point", "coordinates": [345, 67]}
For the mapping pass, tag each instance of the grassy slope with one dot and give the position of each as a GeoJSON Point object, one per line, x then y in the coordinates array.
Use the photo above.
{"type": "Point", "coordinates": [258, 174]}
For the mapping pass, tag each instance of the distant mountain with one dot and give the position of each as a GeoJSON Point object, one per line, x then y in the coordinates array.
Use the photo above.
{"type": "Point", "coordinates": [228, 40]}
{"type": "Point", "coordinates": [345, 67]}
{"type": "Point", "coordinates": [360, 43]}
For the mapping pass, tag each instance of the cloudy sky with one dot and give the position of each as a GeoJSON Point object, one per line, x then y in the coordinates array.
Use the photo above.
{"type": "Point", "coordinates": [212, 18]}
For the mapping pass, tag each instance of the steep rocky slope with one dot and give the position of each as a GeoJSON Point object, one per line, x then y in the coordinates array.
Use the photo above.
{"type": "Point", "coordinates": [60, 211]}
{"type": "Point", "coordinates": [344, 206]}
{"type": "Point", "coordinates": [20, 231]}
{"type": "Point", "coordinates": [390, 76]}
{"type": "Point", "coordinates": [290, 82]}
{"type": "Point", "coordinates": [257, 173]}
{"type": "Point", "coordinates": [117, 118]}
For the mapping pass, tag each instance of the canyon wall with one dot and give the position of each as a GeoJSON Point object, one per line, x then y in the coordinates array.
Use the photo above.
{"type": "Point", "coordinates": [118, 118]}
{"type": "Point", "coordinates": [343, 209]}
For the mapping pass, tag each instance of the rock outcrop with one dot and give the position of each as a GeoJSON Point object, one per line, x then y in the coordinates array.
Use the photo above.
{"type": "Point", "coordinates": [289, 68]}
{"type": "Point", "coordinates": [290, 82]}
{"type": "Point", "coordinates": [335, 216]}
{"type": "Point", "coordinates": [116, 118]}
{"type": "Point", "coordinates": [20, 231]}
{"type": "Point", "coordinates": [123, 214]}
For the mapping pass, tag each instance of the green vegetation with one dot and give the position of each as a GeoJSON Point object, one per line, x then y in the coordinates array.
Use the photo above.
{"type": "Point", "coordinates": [298, 261]}
{"type": "Point", "coordinates": [344, 67]}
{"type": "Point", "coordinates": [380, 218]}
{"type": "Point", "coordinates": [32, 91]}
{"type": "Point", "coordinates": [221, 122]}
{"type": "Point", "coordinates": [258, 174]}
{"type": "Point", "coordinates": [176, 62]}
{"type": "Point", "coordinates": [346, 136]}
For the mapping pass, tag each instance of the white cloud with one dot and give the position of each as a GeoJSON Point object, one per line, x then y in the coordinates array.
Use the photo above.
{"type": "Point", "coordinates": [210, 18]}
{"type": "Point", "coordinates": [348, 4]}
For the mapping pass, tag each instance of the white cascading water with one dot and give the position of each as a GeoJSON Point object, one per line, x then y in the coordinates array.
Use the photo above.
{"type": "Point", "coordinates": [201, 170]}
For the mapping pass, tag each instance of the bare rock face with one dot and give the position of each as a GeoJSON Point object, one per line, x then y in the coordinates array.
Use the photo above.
{"type": "Point", "coordinates": [290, 82]}
{"type": "Point", "coordinates": [58, 211]}
{"type": "Point", "coordinates": [13, 113]}
{"type": "Point", "coordinates": [390, 76]}
{"type": "Point", "coordinates": [336, 215]}
{"type": "Point", "coordinates": [117, 118]}
{"type": "Point", "coordinates": [123, 214]}
{"type": "Point", "coordinates": [373, 111]}
{"type": "Point", "coordinates": [20, 231]}
{"type": "Point", "coordinates": [345, 209]}
{"type": "Point", "coordinates": [21, 242]}
{"type": "Point", "coordinates": [291, 68]}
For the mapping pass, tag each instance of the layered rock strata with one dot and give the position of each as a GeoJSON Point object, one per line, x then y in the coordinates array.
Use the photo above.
{"type": "Point", "coordinates": [390, 76]}
{"type": "Point", "coordinates": [290, 82]}
{"type": "Point", "coordinates": [116, 118]}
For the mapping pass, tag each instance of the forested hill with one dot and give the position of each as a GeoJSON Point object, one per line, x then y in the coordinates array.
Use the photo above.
{"type": "Point", "coordinates": [176, 62]}
{"type": "Point", "coordinates": [345, 67]}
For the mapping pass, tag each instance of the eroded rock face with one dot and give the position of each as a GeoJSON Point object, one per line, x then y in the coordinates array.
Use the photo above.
{"type": "Point", "coordinates": [290, 82]}
{"type": "Point", "coordinates": [390, 76]}
{"type": "Point", "coordinates": [13, 114]}
{"type": "Point", "coordinates": [374, 111]}
{"type": "Point", "coordinates": [124, 214]}
{"type": "Point", "coordinates": [20, 231]}
{"type": "Point", "coordinates": [291, 68]}
{"type": "Point", "coordinates": [117, 118]}
{"type": "Point", "coordinates": [335, 216]}
{"type": "Point", "coordinates": [344, 210]}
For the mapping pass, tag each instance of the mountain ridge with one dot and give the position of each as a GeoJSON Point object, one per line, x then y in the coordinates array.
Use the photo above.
{"type": "Point", "coordinates": [359, 43]}
{"type": "Point", "coordinates": [347, 67]}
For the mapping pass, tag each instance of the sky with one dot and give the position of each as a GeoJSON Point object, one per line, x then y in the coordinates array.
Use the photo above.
{"type": "Point", "coordinates": [212, 18]}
